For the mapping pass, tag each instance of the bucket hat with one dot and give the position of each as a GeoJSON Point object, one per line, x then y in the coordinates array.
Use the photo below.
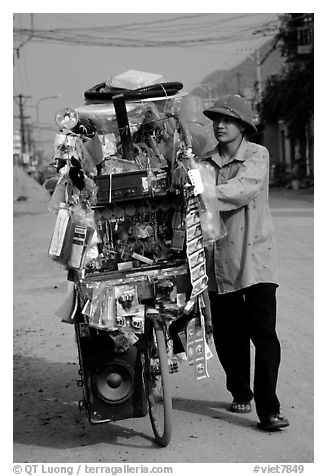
{"type": "Point", "coordinates": [234, 106]}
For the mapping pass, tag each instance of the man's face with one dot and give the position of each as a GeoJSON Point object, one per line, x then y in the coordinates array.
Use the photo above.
{"type": "Point", "coordinates": [227, 129]}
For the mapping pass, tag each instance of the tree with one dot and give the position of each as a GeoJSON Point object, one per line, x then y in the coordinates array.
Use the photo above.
{"type": "Point", "coordinates": [289, 96]}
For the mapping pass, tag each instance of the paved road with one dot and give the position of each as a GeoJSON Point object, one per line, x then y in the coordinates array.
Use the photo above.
{"type": "Point", "coordinates": [48, 426]}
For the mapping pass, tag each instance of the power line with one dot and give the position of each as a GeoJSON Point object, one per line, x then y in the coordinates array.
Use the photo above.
{"type": "Point", "coordinates": [30, 36]}
{"type": "Point", "coordinates": [140, 43]}
{"type": "Point", "coordinates": [145, 25]}
{"type": "Point", "coordinates": [147, 34]}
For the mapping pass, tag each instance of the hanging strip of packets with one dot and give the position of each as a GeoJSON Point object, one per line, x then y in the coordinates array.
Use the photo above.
{"type": "Point", "coordinates": [195, 249]}
{"type": "Point", "coordinates": [198, 352]}
{"type": "Point", "coordinates": [196, 339]}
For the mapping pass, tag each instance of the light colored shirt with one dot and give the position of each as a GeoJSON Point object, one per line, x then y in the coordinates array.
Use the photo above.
{"type": "Point", "coordinates": [247, 254]}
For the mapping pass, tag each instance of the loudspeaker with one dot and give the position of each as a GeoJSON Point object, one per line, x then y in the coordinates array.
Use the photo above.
{"type": "Point", "coordinates": [114, 387]}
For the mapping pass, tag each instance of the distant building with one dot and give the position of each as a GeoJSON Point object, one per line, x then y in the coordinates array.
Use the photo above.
{"type": "Point", "coordinates": [17, 147]}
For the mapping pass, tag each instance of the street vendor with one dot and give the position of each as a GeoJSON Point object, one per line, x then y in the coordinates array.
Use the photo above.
{"type": "Point", "coordinates": [241, 266]}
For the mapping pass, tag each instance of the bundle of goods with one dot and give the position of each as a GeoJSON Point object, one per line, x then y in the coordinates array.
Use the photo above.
{"type": "Point", "coordinates": [129, 202]}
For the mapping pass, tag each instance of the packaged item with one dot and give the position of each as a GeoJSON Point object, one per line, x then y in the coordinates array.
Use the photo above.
{"type": "Point", "coordinates": [166, 297]}
{"type": "Point", "coordinates": [166, 290]}
{"type": "Point", "coordinates": [59, 195]}
{"type": "Point", "coordinates": [80, 240]}
{"type": "Point", "coordinates": [94, 148]}
{"type": "Point", "coordinates": [69, 306]}
{"type": "Point", "coordinates": [102, 311]}
{"type": "Point", "coordinates": [196, 181]}
{"type": "Point", "coordinates": [126, 300]}
{"type": "Point", "coordinates": [89, 193]}
{"type": "Point", "coordinates": [60, 237]}
{"type": "Point", "coordinates": [213, 227]}
{"type": "Point", "coordinates": [199, 285]}
{"type": "Point", "coordinates": [197, 350]}
{"type": "Point", "coordinates": [78, 245]}
{"type": "Point", "coordinates": [194, 248]}
{"type": "Point", "coordinates": [108, 144]}
{"type": "Point", "coordinates": [123, 340]}
{"type": "Point", "coordinates": [133, 323]}
{"type": "Point", "coordinates": [194, 231]}
{"type": "Point", "coordinates": [198, 272]}
{"type": "Point", "coordinates": [179, 233]}
{"type": "Point", "coordinates": [92, 252]}
{"type": "Point", "coordinates": [138, 323]}
{"type": "Point", "coordinates": [195, 245]}
{"type": "Point", "coordinates": [133, 79]}
{"type": "Point", "coordinates": [83, 215]}
{"type": "Point", "coordinates": [159, 181]}
{"type": "Point", "coordinates": [196, 258]}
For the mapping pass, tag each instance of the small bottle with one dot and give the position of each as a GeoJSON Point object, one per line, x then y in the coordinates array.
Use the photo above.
{"type": "Point", "coordinates": [59, 232]}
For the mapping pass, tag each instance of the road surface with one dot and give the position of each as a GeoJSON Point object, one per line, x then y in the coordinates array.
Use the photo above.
{"type": "Point", "coordinates": [48, 426]}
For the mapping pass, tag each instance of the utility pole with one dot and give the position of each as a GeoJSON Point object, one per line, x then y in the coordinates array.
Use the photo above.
{"type": "Point", "coordinates": [210, 93]}
{"type": "Point", "coordinates": [258, 65]}
{"type": "Point", "coordinates": [238, 75]}
{"type": "Point", "coordinates": [30, 141]}
{"type": "Point", "coordinates": [20, 101]}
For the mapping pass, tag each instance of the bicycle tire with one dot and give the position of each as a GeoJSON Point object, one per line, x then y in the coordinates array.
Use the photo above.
{"type": "Point", "coordinates": [157, 383]}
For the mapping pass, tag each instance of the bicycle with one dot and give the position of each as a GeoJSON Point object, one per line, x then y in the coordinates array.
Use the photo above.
{"type": "Point", "coordinates": [131, 382]}
{"type": "Point", "coordinates": [134, 223]}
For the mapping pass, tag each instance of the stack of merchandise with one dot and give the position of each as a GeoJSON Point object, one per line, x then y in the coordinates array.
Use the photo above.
{"type": "Point", "coordinates": [129, 201]}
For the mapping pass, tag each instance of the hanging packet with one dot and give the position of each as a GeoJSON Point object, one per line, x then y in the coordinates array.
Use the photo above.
{"type": "Point", "coordinates": [59, 248]}
{"type": "Point", "coordinates": [213, 228]}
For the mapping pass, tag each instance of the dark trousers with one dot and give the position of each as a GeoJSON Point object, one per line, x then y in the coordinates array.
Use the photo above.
{"type": "Point", "coordinates": [237, 318]}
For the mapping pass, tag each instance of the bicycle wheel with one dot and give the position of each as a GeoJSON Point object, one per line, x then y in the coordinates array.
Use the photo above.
{"type": "Point", "coordinates": [157, 382]}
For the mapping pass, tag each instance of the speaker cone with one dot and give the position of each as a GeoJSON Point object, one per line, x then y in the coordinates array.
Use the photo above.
{"type": "Point", "coordinates": [115, 383]}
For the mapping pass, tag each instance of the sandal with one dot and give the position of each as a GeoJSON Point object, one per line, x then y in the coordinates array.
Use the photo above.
{"type": "Point", "coordinates": [273, 422]}
{"type": "Point", "coordinates": [241, 407]}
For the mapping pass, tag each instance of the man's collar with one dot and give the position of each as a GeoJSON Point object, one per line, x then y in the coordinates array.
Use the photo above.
{"type": "Point", "coordinates": [215, 156]}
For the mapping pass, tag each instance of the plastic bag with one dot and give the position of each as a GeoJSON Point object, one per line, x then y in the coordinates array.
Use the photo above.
{"type": "Point", "coordinates": [213, 228]}
{"type": "Point", "coordinates": [83, 215]}
{"type": "Point", "coordinates": [83, 221]}
{"type": "Point", "coordinates": [102, 312]}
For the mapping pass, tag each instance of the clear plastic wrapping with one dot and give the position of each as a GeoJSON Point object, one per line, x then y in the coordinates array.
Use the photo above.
{"type": "Point", "coordinates": [101, 309]}
{"type": "Point", "coordinates": [213, 227]}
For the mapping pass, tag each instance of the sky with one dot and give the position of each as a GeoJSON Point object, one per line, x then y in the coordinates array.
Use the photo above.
{"type": "Point", "coordinates": [55, 75]}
